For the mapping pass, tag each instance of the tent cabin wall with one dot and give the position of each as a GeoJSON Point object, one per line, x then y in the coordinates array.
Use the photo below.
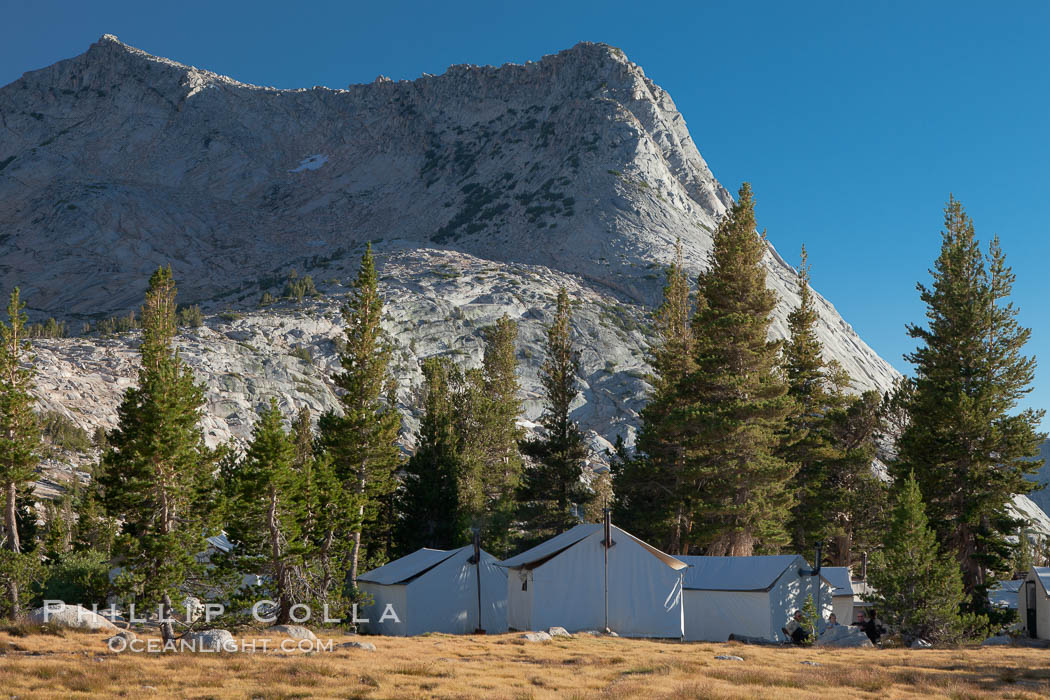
{"type": "Point", "coordinates": [566, 587]}
{"type": "Point", "coordinates": [1033, 603]}
{"type": "Point", "coordinates": [747, 596]}
{"type": "Point", "coordinates": [711, 616]}
{"type": "Point", "coordinates": [383, 595]}
{"type": "Point", "coordinates": [842, 606]}
{"type": "Point", "coordinates": [645, 595]}
{"type": "Point", "coordinates": [789, 594]}
{"type": "Point", "coordinates": [493, 597]}
{"type": "Point", "coordinates": [445, 599]}
{"type": "Point", "coordinates": [568, 590]}
{"type": "Point", "coordinates": [842, 592]}
{"type": "Point", "coordinates": [519, 599]}
{"type": "Point", "coordinates": [441, 597]}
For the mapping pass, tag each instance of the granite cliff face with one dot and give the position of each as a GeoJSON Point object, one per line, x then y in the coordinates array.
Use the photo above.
{"type": "Point", "coordinates": [117, 161]}
{"type": "Point", "coordinates": [482, 191]}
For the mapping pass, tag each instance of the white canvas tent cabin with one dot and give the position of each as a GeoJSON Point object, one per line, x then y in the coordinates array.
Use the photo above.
{"type": "Point", "coordinates": [748, 596]}
{"type": "Point", "coordinates": [563, 582]}
{"type": "Point", "coordinates": [1004, 594]}
{"type": "Point", "coordinates": [1033, 603]}
{"type": "Point", "coordinates": [841, 592]}
{"type": "Point", "coordinates": [435, 590]}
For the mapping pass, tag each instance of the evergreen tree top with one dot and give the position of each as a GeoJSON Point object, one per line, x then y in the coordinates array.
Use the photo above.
{"type": "Point", "coordinates": [19, 434]}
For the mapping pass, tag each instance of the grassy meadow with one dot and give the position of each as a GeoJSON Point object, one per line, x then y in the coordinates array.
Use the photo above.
{"type": "Point", "coordinates": [70, 664]}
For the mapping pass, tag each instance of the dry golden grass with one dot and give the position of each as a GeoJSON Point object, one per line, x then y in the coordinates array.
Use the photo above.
{"type": "Point", "coordinates": [79, 665]}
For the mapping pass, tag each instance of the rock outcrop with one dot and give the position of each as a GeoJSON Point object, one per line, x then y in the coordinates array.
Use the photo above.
{"type": "Point", "coordinates": [117, 161]}
{"type": "Point", "coordinates": [71, 617]}
{"type": "Point", "coordinates": [210, 641]}
{"type": "Point", "coordinates": [482, 190]}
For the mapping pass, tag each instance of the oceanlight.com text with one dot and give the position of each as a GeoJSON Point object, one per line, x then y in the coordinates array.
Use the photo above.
{"type": "Point", "coordinates": [156, 646]}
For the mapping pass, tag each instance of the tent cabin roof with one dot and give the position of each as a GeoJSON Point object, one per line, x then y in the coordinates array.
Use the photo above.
{"type": "Point", "coordinates": [1043, 574]}
{"type": "Point", "coordinates": [544, 551]}
{"type": "Point", "coordinates": [839, 578]}
{"type": "Point", "coordinates": [221, 542]}
{"type": "Point", "coordinates": [1007, 586]}
{"type": "Point", "coordinates": [736, 573]}
{"type": "Point", "coordinates": [410, 566]}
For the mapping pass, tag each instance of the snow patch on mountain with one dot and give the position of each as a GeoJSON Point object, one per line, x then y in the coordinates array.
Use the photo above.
{"type": "Point", "coordinates": [313, 162]}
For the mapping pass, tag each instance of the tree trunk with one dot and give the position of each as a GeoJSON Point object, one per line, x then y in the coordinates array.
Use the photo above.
{"type": "Point", "coordinates": [843, 549]}
{"type": "Point", "coordinates": [326, 564]}
{"type": "Point", "coordinates": [12, 592]}
{"type": "Point", "coordinates": [11, 517]}
{"type": "Point", "coordinates": [279, 571]}
{"type": "Point", "coordinates": [167, 630]}
{"type": "Point", "coordinates": [356, 553]}
{"type": "Point", "coordinates": [738, 543]}
{"type": "Point", "coordinates": [354, 559]}
{"type": "Point", "coordinates": [972, 573]}
{"type": "Point", "coordinates": [13, 543]}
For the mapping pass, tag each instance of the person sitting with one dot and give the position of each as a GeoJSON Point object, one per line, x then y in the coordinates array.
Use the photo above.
{"type": "Point", "coordinates": [833, 621]}
{"type": "Point", "coordinates": [794, 629]}
{"type": "Point", "coordinates": [872, 627]}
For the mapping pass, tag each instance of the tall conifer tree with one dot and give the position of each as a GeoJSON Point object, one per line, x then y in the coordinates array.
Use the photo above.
{"type": "Point", "coordinates": [853, 502]}
{"type": "Point", "coordinates": [551, 486]}
{"type": "Point", "coordinates": [967, 445]}
{"type": "Point", "coordinates": [268, 511]}
{"type": "Point", "coordinates": [428, 503]}
{"type": "Point", "coordinates": [734, 422]}
{"type": "Point", "coordinates": [652, 487]}
{"type": "Point", "coordinates": [19, 443]}
{"type": "Point", "coordinates": [363, 440]}
{"type": "Point", "coordinates": [491, 469]}
{"type": "Point", "coordinates": [918, 589]}
{"type": "Point", "coordinates": [818, 389]}
{"type": "Point", "coordinates": [660, 484]}
{"type": "Point", "coordinates": [157, 474]}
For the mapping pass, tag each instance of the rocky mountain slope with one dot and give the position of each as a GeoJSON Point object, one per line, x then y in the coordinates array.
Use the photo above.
{"type": "Point", "coordinates": [1042, 497]}
{"type": "Point", "coordinates": [482, 189]}
{"type": "Point", "coordinates": [116, 161]}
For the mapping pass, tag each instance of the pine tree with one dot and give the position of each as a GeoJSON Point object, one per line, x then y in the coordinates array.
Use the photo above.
{"type": "Point", "coordinates": [918, 588]}
{"type": "Point", "coordinates": [818, 389]}
{"type": "Point", "coordinates": [94, 529]}
{"type": "Point", "coordinates": [642, 501]}
{"type": "Point", "coordinates": [323, 505]}
{"type": "Point", "coordinates": [735, 419]}
{"type": "Point", "coordinates": [854, 499]}
{"type": "Point", "coordinates": [267, 511]}
{"type": "Point", "coordinates": [157, 475]}
{"type": "Point", "coordinates": [327, 504]}
{"type": "Point", "coordinates": [654, 488]}
{"type": "Point", "coordinates": [428, 503]}
{"type": "Point", "coordinates": [969, 452]}
{"type": "Point", "coordinates": [491, 468]}
{"type": "Point", "coordinates": [602, 491]}
{"type": "Point", "coordinates": [552, 490]}
{"type": "Point", "coordinates": [810, 617]}
{"type": "Point", "coordinates": [303, 438]}
{"type": "Point", "coordinates": [363, 440]}
{"type": "Point", "coordinates": [19, 443]}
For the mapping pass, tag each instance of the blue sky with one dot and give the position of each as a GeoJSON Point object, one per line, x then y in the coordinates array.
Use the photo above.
{"type": "Point", "coordinates": [852, 121]}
